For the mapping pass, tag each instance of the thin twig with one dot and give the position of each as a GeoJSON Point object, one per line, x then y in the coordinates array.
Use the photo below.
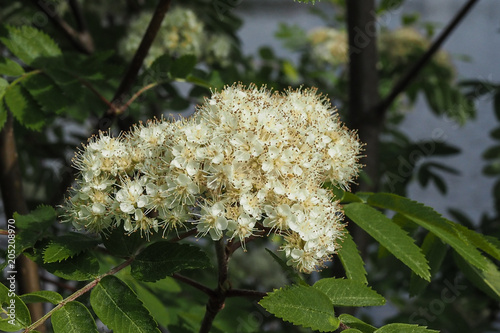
{"type": "Point", "coordinates": [135, 96]}
{"type": "Point", "coordinates": [81, 41]}
{"type": "Point", "coordinates": [245, 293]}
{"type": "Point", "coordinates": [194, 284]}
{"type": "Point", "coordinates": [84, 34]}
{"type": "Point", "coordinates": [79, 293]}
{"type": "Point", "coordinates": [403, 83]}
{"type": "Point", "coordinates": [139, 56]}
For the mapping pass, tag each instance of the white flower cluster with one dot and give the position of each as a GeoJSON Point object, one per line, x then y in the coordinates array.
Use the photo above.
{"type": "Point", "coordinates": [249, 162]}
{"type": "Point", "coordinates": [181, 32]}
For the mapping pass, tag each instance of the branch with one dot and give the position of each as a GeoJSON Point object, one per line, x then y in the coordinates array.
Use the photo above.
{"type": "Point", "coordinates": [82, 41]}
{"type": "Point", "coordinates": [216, 302]}
{"type": "Point", "coordinates": [136, 63]}
{"type": "Point", "coordinates": [84, 34]}
{"type": "Point", "coordinates": [14, 201]}
{"type": "Point", "coordinates": [245, 293]}
{"type": "Point", "coordinates": [194, 284]}
{"type": "Point", "coordinates": [79, 293]}
{"type": "Point", "coordinates": [403, 83]}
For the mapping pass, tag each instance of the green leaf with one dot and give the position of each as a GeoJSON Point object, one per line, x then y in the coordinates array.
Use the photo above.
{"type": "Point", "coordinates": [351, 259]}
{"type": "Point", "coordinates": [404, 328]}
{"type": "Point", "coordinates": [183, 66]}
{"type": "Point", "coordinates": [478, 240]}
{"type": "Point", "coordinates": [351, 330]}
{"type": "Point", "coordinates": [290, 272]}
{"type": "Point", "coordinates": [342, 292]}
{"type": "Point", "coordinates": [24, 107]}
{"type": "Point", "coordinates": [42, 296]}
{"type": "Point", "coordinates": [354, 322]}
{"type": "Point", "coordinates": [487, 280]}
{"type": "Point", "coordinates": [46, 93]}
{"type": "Point", "coordinates": [492, 153]}
{"type": "Point", "coordinates": [302, 305]}
{"type": "Point", "coordinates": [33, 226]}
{"type": "Point", "coordinates": [389, 235]}
{"type": "Point", "coordinates": [82, 267]}
{"type": "Point", "coordinates": [496, 104]}
{"type": "Point", "coordinates": [64, 247]}
{"type": "Point", "coordinates": [164, 258]}
{"type": "Point", "coordinates": [119, 308]}
{"type": "Point", "coordinates": [28, 43]}
{"type": "Point", "coordinates": [432, 221]}
{"type": "Point", "coordinates": [121, 244]}
{"type": "Point", "coordinates": [434, 250]}
{"type": "Point", "coordinates": [158, 72]}
{"type": "Point", "coordinates": [18, 315]}
{"type": "Point", "coordinates": [495, 134]}
{"type": "Point", "coordinates": [38, 218]}
{"type": "Point", "coordinates": [151, 302]}
{"type": "Point", "coordinates": [3, 86]}
{"type": "Point", "coordinates": [10, 68]}
{"type": "Point", "coordinates": [74, 317]}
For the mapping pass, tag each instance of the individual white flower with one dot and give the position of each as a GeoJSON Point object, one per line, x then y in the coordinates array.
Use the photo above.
{"type": "Point", "coordinates": [131, 196]}
{"type": "Point", "coordinates": [242, 228]}
{"type": "Point", "coordinates": [279, 217]}
{"type": "Point", "coordinates": [212, 220]}
{"type": "Point", "coordinates": [181, 190]}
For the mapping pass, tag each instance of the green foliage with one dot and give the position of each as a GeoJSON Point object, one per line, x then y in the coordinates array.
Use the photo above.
{"type": "Point", "coordinates": [290, 272]}
{"type": "Point", "coordinates": [24, 107]}
{"type": "Point", "coordinates": [121, 244]}
{"type": "Point", "coordinates": [301, 305]}
{"type": "Point", "coordinates": [32, 227]}
{"type": "Point", "coordinates": [28, 44]}
{"type": "Point", "coordinates": [356, 323]}
{"type": "Point", "coordinates": [349, 292]}
{"type": "Point", "coordinates": [12, 304]}
{"type": "Point", "coordinates": [434, 250]}
{"type": "Point", "coordinates": [389, 235]}
{"type": "Point", "coordinates": [9, 67]}
{"type": "Point", "coordinates": [487, 280]}
{"type": "Point", "coordinates": [45, 296]}
{"type": "Point", "coordinates": [67, 246]}
{"type": "Point", "coordinates": [432, 221]}
{"type": "Point", "coordinates": [73, 317]}
{"type": "Point", "coordinates": [81, 267]}
{"type": "Point", "coordinates": [351, 260]}
{"type": "Point", "coordinates": [118, 307]}
{"type": "Point", "coordinates": [164, 258]}
{"type": "Point", "coordinates": [183, 66]}
{"type": "Point", "coordinates": [404, 328]}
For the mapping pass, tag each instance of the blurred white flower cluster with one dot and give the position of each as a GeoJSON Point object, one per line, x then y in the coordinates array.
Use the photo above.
{"type": "Point", "coordinates": [397, 47]}
{"type": "Point", "coordinates": [329, 46]}
{"type": "Point", "coordinates": [405, 45]}
{"type": "Point", "coordinates": [181, 32]}
{"type": "Point", "coordinates": [249, 162]}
